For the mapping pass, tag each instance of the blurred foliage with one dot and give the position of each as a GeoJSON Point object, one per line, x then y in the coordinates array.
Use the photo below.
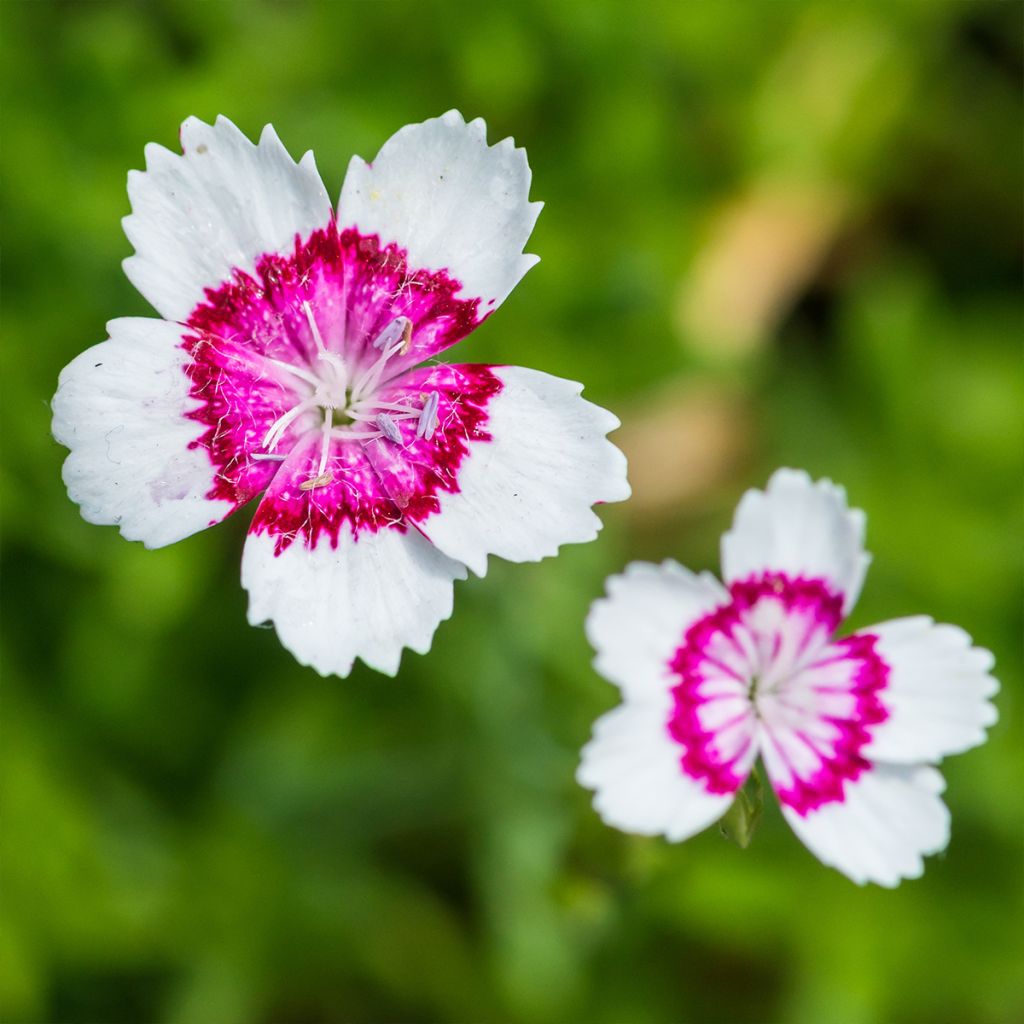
{"type": "Point", "coordinates": [775, 233]}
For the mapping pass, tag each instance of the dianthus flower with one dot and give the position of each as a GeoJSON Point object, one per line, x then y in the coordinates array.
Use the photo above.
{"type": "Point", "coordinates": [847, 728]}
{"type": "Point", "coordinates": [296, 358]}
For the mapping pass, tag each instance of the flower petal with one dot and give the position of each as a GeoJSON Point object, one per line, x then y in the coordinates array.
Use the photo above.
{"type": "Point", "coordinates": [331, 562]}
{"type": "Point", "coordinates": [815, 724]}
{"type": "Point", "coordinates": [801, 528]}
{"type": "Point", "coordinates": [368, 597]}
{"type": "Point", "coordinates": [633, 767]}
{"type": "Point", "coordinates": [516, 462]}
{"type": "Point", "coordinates": [451, 201]}
{"type": "Point", "coordinates": [890, 818]}
{"type": "Point", "coordinates": [123, 407]}
{"type": "Point", "coordinates": [347, 289]}
{"type": "Point", "coordinates": [219, 206]}
{"type": "Point", "coordinates": [238, 397]}
{"type": "Point", "coordinates": [319, 496]}
{"type": "Point", "coordinates": [638, 627]}
{"type": "Point", "coordinates": [937, 691]}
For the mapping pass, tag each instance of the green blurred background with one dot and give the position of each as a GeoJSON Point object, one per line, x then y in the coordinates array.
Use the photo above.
{"type": "Point", "coordinates": [775, 233]}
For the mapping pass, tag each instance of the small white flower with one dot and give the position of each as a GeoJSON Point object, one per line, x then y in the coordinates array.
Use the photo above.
{"type": "Point", "coordinates": [290, 361]}
{"type": "Point", "coordinates": [713, 676]}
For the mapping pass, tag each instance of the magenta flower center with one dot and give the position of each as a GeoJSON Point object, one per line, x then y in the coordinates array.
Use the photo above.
{"type": "Point", "coordinates": [306, 381]}
{"type": "Point", "coordinates": [763, 674]}
{"type": "Point", "coordinates": [345, 397]}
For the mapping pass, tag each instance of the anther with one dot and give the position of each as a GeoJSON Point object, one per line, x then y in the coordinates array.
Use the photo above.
{"type": "Point", "coordinates": [399, 329]}
{"type": "Point", "coordinates": [393, 340]}
{"type": "Point", "coordinates": [388, 427]}
{"type": "Point", "coordinates": [317, 481]}
{"type": "Point", "coordinates": [427, 422]}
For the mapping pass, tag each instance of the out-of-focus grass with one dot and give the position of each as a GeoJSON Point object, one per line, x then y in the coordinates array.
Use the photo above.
{"type": "Point", "coordinates": [775, 233]}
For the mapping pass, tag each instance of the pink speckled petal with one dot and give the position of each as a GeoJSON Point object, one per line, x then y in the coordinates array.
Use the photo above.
{"type": "Point", "coordinates": [236, 398]}
{"type": "Point", "coordinates": [419, 470]}
{"type": "Point", "coordinates": [816, 724]}
{"type": "Point", "coordinates": [307, 507]}
{"type": "Point", "coordinates": [355, 288]}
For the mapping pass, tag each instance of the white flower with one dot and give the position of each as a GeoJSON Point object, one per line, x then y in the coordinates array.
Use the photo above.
{"type": "Point", "coordinates": [289, 361]}
{"type": "Point", "coordinates": [713, 676]}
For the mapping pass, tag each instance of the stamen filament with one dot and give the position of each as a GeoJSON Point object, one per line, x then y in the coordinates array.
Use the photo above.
{"type": "Point", "coordinates": [279, 426]}
{"type": "Point", "coordinates": [371, 417]}
{"type": "Point", "coordinates": [343, 434]}
{"type": "Point", "coordinates": [386, 406]}
{"type": "Point", "coordinates": [317, 340]}
{"type": "Point", "coordinates": [325, 442]}
{"type": "Point", "coordinates": [369, 379]}
{"type": "Point", "coordinates": [332, 359]}
{"type": "Point", "coordinates": [305, 375]}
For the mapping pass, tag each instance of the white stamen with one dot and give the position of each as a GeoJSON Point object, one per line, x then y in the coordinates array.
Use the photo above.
{"type": "Point", "coordinates": [356, 414]}
{"type": "Point", "coordinates": [394, 339]}
{"type": "Point", "coordinates": [345, 434]}
{"type": "Point", "coordinates": [317, 340]}
{"type": "Point", "coordinates": [305, 375]}
{"type": "Point", "coordinates": [279, 426]}
{"type": "Point", "coordinates": [330, 392]}
{"type": "Point", "coordinates": [337, 385]}
{"type": "Point", "coordinates": [428, 417]}
{"type": "Point", "coordinates": [325, 442]}
{"type": "Point", "coordinates": [407, 410]}
{"type": "Point", "coordinates": [388, 427]}
{"type": "Point", "coordinates": [369, 379]}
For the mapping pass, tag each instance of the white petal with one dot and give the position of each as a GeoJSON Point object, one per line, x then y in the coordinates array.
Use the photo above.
{"type": "Point", "coordinates": [634, 768]}
{"type": "Point", "coordinates": [639, 626]}
{"type": "Point", "coordinates": [530, 489]}
{"type": "Point", "coordinates": [198, 216]}
{"type": "Point", "coordinates": [451, 201]}
{"type": "Point", "coordinates": [936, 693]}
{"type": "Point", "coordinates": [891, 817]}
{"type": "Point", "coordinates": [801, 528]}
{"type": "Point", "coordinates": [120, 407]}
{"type": "Point", "coordinates": [368, 597]}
